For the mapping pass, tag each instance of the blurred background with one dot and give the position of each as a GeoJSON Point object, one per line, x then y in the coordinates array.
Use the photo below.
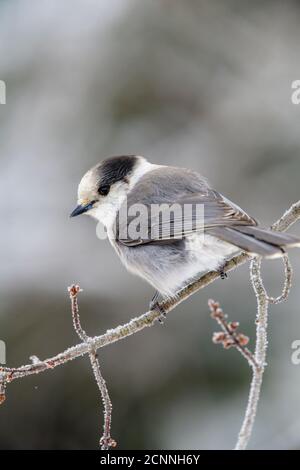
{"type": "Point", "coordinates": [202, 84]}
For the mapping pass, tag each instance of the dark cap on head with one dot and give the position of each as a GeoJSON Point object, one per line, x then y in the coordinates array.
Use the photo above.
{"type": "Point", "coordinates": [115, 169]}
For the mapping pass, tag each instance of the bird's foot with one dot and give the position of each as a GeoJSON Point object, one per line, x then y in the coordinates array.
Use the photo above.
{"type": "Point", "coordinates": [222, 273]}
{"type": "Point", "coordinates": [155, 305]}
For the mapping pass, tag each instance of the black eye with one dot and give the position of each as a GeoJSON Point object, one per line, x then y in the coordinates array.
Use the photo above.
{"type": "Point", "coordinates": [104, 190]}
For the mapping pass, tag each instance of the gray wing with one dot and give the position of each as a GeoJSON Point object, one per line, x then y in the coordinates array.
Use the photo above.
{"type": "Point", "coordinates": [177, 203]}
{"type": "Point", "coordinates": [217, 216]}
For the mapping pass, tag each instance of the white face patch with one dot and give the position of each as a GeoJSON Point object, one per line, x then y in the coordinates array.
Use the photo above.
{"type": "Point", "coordinates": [105, 210]}
{"type": "Point", "coordinates": [87, 188]}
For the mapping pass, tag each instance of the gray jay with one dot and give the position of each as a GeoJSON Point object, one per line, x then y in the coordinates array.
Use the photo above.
{"type": "Point", "coordinates": [171, 252]}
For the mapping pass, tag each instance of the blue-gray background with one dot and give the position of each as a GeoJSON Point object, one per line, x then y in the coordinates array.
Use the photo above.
{"type": "Point", "coordinates": [202, 84]}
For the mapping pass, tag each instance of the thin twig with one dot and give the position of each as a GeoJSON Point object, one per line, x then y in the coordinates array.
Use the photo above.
{"type": "Point", "coordinates": [230, 337]}
{"type": "Point", "coordinates": [106, 441]}
{"type": "Point", "coordinates": [2, 388]}
{"type": "Point", "coordinates": [74, 290]}
{"type": "Point", "coordinates": [288, 274]}
{"type": "Point", "coordinates": [148, 319]}
{"type": "Point", "coordinates": [260, 355]}
{"type": "Point", "coordinates": [263, 301]}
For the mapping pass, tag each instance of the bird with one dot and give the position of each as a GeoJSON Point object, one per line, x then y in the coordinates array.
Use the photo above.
{"type": "Point", "coordinates": [172, 248]}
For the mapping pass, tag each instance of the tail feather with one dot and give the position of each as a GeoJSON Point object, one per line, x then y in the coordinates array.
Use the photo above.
{"type": "Point", "coordinates": [256, 240]}
{"type": "Point", "coordinates": [271, 236]}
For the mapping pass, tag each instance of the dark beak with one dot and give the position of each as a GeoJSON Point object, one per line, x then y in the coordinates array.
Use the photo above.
{"type": "Point", "coordinates": [81, 209]}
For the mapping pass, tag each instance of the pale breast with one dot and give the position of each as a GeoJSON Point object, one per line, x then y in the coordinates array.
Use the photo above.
{"type": "Point", "coordinates": [170, 267]}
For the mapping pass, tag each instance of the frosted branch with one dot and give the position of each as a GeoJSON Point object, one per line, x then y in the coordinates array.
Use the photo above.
{"type": "Point", "coordinates": [263, 301]}
{"type": "Point", "coordinates": [106, 441]}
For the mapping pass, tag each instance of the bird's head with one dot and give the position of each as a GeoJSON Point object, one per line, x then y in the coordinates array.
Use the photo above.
{"type": "Point", "coordinates": [104, 187]}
